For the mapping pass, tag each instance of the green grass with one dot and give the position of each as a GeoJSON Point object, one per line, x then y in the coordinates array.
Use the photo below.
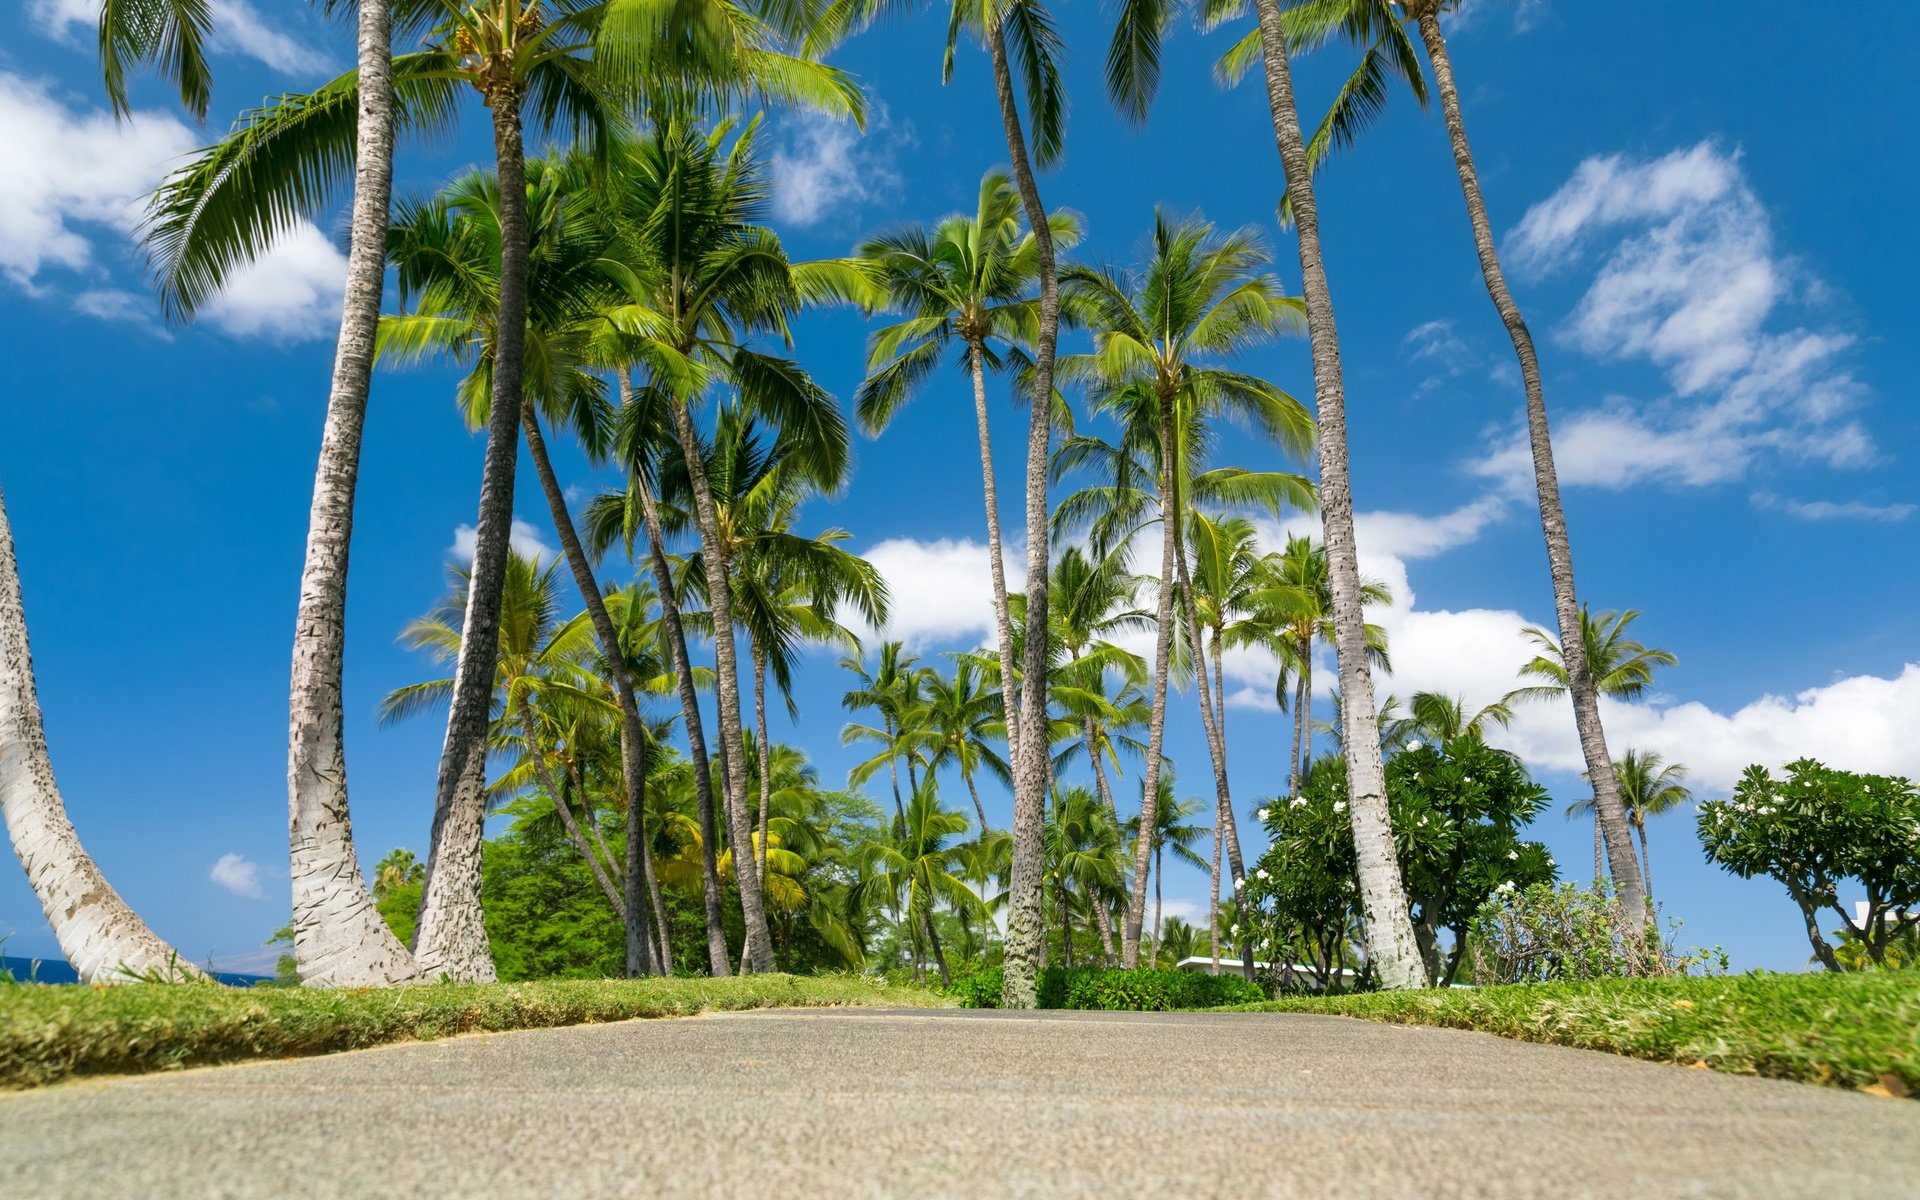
{"type": "Point", "coordinates": [1856, 1030]}
{"type": "Point", "coordinates": [49, 1034]}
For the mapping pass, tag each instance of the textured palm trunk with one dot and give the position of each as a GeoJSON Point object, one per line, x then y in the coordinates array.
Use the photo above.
{"type": "Point", "coordinates": [1033, 767]}
{"type": "Point", "coordinates": [1216, 754]}
{"type": "Point", "coordinates": [1002, 617]}
{"type": "Point", "coordinates": [974, 792]}
{"type": "Point", "coordinates": [1553, 520]}
{"type": "Point", "coordinates": [645, 956]}
{"type": "Point", "coordinates": [1599, 853]}
{"type": "Point", "coordinates": [103, 939]}
{"type": "Point", "coordinates": [1066, 929]}
{"type": "Point", "coordinates": [1303, 717]}
{"type": "Point", "coordinates": [451, 941]}
{"type": "Point", "coordinates": [1389, 931]}
{"type": "Point", "coordinates": [760, 734]}
{"type": "Point", "coordinates": [530, 733]}
{"type": "Point", "coordinates": [1100, 772]}
{"type": "Point", "coordinates": [664, 946]}
{"type": "Point", "coordinates": [717, 960]}
{"type": "Point", "coordinates": [1299, 736]}
{"type": "Point", "coordinates": [757, 952]}
{"type": "Point", "coordinates": [1213, 898]}
{"type": "Point", "coordinates": [633, 732]}
{"type": "Point", "coordinates": [1159, 873]}
{"type": "Point", "coordinates": [1157, 715]}
{"type": "Point", "coordinates": [933, 941]}
{"type": "Point", "coordinates": [1097, 913]}
{"type": "Point", "coordinates": [1646, 864]}
{"type": "Point", "coordinates": [893, 773]}
{"type": "Point", "coordinates": [339, 938]}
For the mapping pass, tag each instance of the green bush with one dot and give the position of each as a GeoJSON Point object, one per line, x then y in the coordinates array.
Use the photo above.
{"type": "Point", "coordinates": [1115, 990]}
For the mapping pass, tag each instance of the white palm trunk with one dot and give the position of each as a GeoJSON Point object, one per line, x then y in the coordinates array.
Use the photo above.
{"type": "Point", "coordinates": [103, 939]}
{"type": "Point", "coordinates": [1391, 949]}
{"type": "Point", "coordinates": [339, 937]}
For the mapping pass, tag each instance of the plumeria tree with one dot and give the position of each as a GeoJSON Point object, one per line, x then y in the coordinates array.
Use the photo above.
{"type": "Point", "coordinates": [1813, 831]}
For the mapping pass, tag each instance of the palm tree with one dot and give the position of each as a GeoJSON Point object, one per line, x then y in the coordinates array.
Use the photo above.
{"type": "Point", "coordinates": [966, 280]}
{"type": "Point", "coordinates": [171, 35]}
{"type": "Point", "coordinates": [891, 689]}
{"type": "Point", "coordinates": [956, 722]}
{"type": "Point", "coordinates": [103, 940]}
{"type": "Point", "coordinates": [918, 864]}
{"type": "Point", "coordinates": [1161, 339]}
{"type": "Point", "coordinates": [1439, 717]}
{"type": "Point", "coordinates": [1295, 613]}
{"type": "Point", "coordinates": [1650, 785]}
{"type": "Point", "coordinates": [1618, 665]}
{"type": "Point", "coordinates": [1375, 21]}
{"type": "Point", "coordinates": [1173, 827]}
{"type": "Point", "coordinates": [1093, 601]}
{"type": "Point", "coordinates": [1085, 858]}
{"type": "Point", "coordinates": [1392, 949]}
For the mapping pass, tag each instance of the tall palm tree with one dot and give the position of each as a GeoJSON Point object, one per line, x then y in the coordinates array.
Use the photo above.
{"type": "Point", "coordinates": [1439, 717]}
{"type": "Point", "coordinates": [1650, 786]}
{"type": "Point", "coordinates": [1296, 613]}
{"type": "Point", "coordinates": [1619, 665]}
{"type": "Point", "coordinates": [1085, 859]}
{"type": "Point", "coordinates": [1093, 601]}
{"type": "Point", "coordinates": [103, 939]}
{"type": "Point", "coordinates": [891, 689]}
{"type": "Point", "coordinates": [969, 280]}
{"type": "Point", "coordinates": [1375, 22]}
{"type": "Point", "coordinates": [1392, 950]}
{"type": "Point", "coordinates": [1162, 340]}
{"type": "Point", "coordinates": [1173, 826]}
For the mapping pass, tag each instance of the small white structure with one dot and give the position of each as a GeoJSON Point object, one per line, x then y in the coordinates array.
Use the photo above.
{"type": "Point", "coordinates": [1298, 973]}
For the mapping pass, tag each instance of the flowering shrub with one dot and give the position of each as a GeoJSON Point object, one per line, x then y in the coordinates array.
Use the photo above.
{"type": "Point", "coordinates": [1115, 990]}
{"type": "Point", "coordinates": [1457, 812]}
{"type": "Point", "coordinates": [1817, 828]}
{"type": "Point", "coordinates": [1541, 933]}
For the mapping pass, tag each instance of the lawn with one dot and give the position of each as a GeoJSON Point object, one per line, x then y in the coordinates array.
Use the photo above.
{"type": "Point", "coordinates": [1856, 1030]}
{"type": "Point", "coordinates": [49, 1034]}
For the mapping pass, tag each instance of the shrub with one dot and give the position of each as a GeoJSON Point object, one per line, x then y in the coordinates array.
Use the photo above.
{"type": "Point", "coordinates": [1112, 990]}
{"type": "Point", "coordinates": [1544, 933]}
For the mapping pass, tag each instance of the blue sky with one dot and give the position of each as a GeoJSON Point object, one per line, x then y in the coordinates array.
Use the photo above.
{"type": "Point", "coordinates": [1699, 241]}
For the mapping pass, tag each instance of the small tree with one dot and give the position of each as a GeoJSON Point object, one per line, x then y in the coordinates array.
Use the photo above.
{"type": "Point", "coordinates": [1457, 811]}
{"type": "Point", "coordinates": [1816, 828]}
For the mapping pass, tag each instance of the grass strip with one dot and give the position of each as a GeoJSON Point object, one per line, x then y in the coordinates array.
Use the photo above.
{"type": "Point", "coordinates": [1853, 1031]}
{"type": "Point", "coordinates": [49, 1034]}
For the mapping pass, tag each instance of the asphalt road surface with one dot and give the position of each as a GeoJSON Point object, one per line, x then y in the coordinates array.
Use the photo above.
{"type": "Point", "coordinates": [858, 1103]}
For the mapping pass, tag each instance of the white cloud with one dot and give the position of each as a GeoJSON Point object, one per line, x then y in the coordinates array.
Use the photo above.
{"type": "Point", "coordinates": [118, 304]}
{"type": "Point", "coordinates": [237, 28]}
{"type": "Point", "coordinates": [828, 166]}
{"type": "Point", "coordinates": [1690, 281]}
{"type": "Point", "coordinates": [239, 875]}
{"type": "Point", "coordinates": [61, 168]}
{"type": "Point", "coordinates": [940, 591]}
{"type": "Point", "coordinates": [525, 539]}
{"type": "Point", "coordinates": [289, 294]}
{"type": "Point", "coordinates": [1467, 13]}
{"type": "Point", "coordinates": [1833, 510]}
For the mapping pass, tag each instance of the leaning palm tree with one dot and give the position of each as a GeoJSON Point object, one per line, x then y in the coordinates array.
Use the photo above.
{"type": "Point", "coordinates": [969, 280]}
{"type": "Point", "coordinates": [1392, 950]}
{"type": "Point", "coordinates": [103, 940]}
{"type": "Point", "coordinates": [1163, 338]}
{"type": "Point", "coordinates": [956, 722]}
{"type": "Point", "coordinates": [1650, 786]}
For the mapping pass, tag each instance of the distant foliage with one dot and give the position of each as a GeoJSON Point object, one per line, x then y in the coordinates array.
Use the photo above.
{"type": "Point", "coordinates": [1815, 830]}
{"type": "Point", "coordinates": [1115, 990]}
{"type": "Point", "coordinates": [1542, 934]}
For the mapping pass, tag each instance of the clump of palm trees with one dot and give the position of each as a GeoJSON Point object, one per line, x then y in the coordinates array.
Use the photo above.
{"type": "Point", "coordinates": [625, 291]}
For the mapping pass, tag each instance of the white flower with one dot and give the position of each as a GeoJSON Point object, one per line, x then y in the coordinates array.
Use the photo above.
{"type": "Point", "coordinates": [1469, 779]}
{"type": "Point", "coordinates": [1505, 887]}
{"type": "Point", "coordinates": [1339, 806]}
{"type": "Point", "coordinates": [1413, 745]}
{"type": "Point", "coordinates": [1513, 856]}
{"type": "Point", "coordinates": [1261, 815]}
{"type": "Point", "coordinates": [1262, 873]}
{"type": "Point", "coordinates": [1298, 802]}
{"type": "Point", "coordinates": [1235, 930]}
{"type": "Point", "coordinates": [1237, 885]}
{"type": "Point", "coordinates": [1551, 863]}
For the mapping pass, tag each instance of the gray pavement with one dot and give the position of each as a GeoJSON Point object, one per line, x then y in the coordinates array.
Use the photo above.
{"type": "Point", "coordinates": [858, 1103]}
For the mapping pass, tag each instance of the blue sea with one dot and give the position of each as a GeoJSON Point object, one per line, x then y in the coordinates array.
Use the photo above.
{"type": "Point", "coordinates": [56, 970]}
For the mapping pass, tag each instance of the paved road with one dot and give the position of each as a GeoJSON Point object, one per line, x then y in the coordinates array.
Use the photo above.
{"type": "Point", "coordinates": [850, 1103]}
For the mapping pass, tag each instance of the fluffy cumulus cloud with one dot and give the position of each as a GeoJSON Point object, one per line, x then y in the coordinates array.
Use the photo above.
{"type": "Point", "coordinates": [525, 539]}
{"type": "Point", "coordinates": [67, 172]}
{"type": "Point", "coordinates": [239, 875]}
{"type": "Point", "coordinates": [237, 28]}
{"type": "Point", "coordinates": [941, 591]}
{"type": "Point", "coordinates": [289, 294]}
{"type": "Point", "coordinates": [826, 166]}
{"type": "Point", "coordinates": [1688, 278]}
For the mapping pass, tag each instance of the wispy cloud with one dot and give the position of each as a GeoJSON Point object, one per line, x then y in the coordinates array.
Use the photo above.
{"type": "Point", "coordinates": [236, 28]}
{"type": "Point", "coordinates": [825, 166]}
{"type": "Point", "coordinates": [1833, 510]}
{"type": "Point", "coordinates": [525, 539]}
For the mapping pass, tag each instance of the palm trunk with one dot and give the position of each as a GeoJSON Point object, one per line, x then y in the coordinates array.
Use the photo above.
{"type": "Point", "coordinates": [103, 939]}
{"type": "Point", "coordinates": [1213, 898]}
{"type": "Point", "coordinates": [451, 941]}
{"type": "Point", "coordinates": [717, 962]}
{"type": "Point", "coordinates": [1003, 620]}
{"type": "Point", "coordinates": [1066, 930]}
{"type": "Point", "coordinates": [645, 956]}
{"type": "Point", "coordinates": [1100, 772]}
{"type": "Point", "coordinates": [893, 773]}
{"type": "Point", "coordinates": [933, 941]}
{"type": "Point", "coordinates": [1599, 853]}
{"type": "Point", "coordinates": [339, 938]}
{"type": "Point", "coordinates": [529, 730]}
{"type": "Point", "coordinates": [1097, 913]}
{"type": "Point", "coordinates": [974, 792]}
{"type": "Point", "coordinates": [1608, 805]}
{"type": "Point", "coordinates": [1033, 769]}
{"type": "Point", "coordinates": [664, 959]}
{"type": "Point", "coordinates": [1157, 719]}
{"type": "Point", "coordinates": [633, 733]}
{"type": "Point", "coordinates": [1390, 945]}
{"type": "Point", "coordinates": [1299, 733]}
{"type": "Point", "coordinates": [1159, 869]}
{"type": "Point", "coordinates": [1646, 864]}
{"type": "Point", "coordinates": [766, 754]}
{"type": "Point", "coordinates": [757, 952]}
